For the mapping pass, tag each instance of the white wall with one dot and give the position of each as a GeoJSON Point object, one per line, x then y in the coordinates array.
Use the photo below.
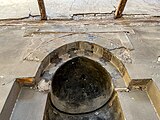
{"type": "Point", "coordinates": [18, 8]}
{"type": "Point", "coordinates": [65, 8]}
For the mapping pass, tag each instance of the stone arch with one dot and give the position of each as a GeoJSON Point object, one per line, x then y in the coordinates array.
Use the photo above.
{"type": "Point", "coordinates": [83, 48]}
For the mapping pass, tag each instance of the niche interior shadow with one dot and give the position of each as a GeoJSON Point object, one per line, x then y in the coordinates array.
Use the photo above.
{"type": "Point", "coordinates": [80, 85]}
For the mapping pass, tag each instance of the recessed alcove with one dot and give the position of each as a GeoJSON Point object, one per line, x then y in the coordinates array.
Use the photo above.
{"type": "Point", "coordinates": [81, 85]}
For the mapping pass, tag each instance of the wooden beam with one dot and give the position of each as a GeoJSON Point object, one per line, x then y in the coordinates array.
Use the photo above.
{"type": "Point", "coordinates": [120, 8]}
{"type": "Point", "coordinates": [42, 10]}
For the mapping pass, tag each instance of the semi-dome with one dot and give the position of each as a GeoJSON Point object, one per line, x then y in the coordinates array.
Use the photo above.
{"type": "Point", "coordinates": [80, 85]}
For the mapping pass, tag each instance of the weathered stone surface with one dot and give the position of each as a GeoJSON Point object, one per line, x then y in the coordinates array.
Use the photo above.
{"type": "Point", "coordinates": [30, 98]}
{"type": "Point", "coordinates": [14, 9]}
{"type": "Point", "coordinates": [55, 9]}
{"type": "Point", "coordinates": [15, 48]}
{"type": "Point", "coordinates": [133, 100]}
{"type": "Point", "coordinates": [63, 9]}
{"type": "Point", "coordinates": [142, 7]}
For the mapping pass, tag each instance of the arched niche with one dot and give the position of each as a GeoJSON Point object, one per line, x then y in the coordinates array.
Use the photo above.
{"type": "Point", "coordinates": [80, 85]}
{"type": "Point", "coordinates": [82, 48]}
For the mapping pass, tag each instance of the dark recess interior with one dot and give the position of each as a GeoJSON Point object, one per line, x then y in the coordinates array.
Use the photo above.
{"type": "Point", "coordinates": [81, 85]}
{"type": "Point", "coordinates": [80, 88]}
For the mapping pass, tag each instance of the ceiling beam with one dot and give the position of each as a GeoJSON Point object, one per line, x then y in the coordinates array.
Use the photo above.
{"type": "Point", "coordinates": [120, 8]}
{"type": "Point", "coordinates": [42, 10]}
